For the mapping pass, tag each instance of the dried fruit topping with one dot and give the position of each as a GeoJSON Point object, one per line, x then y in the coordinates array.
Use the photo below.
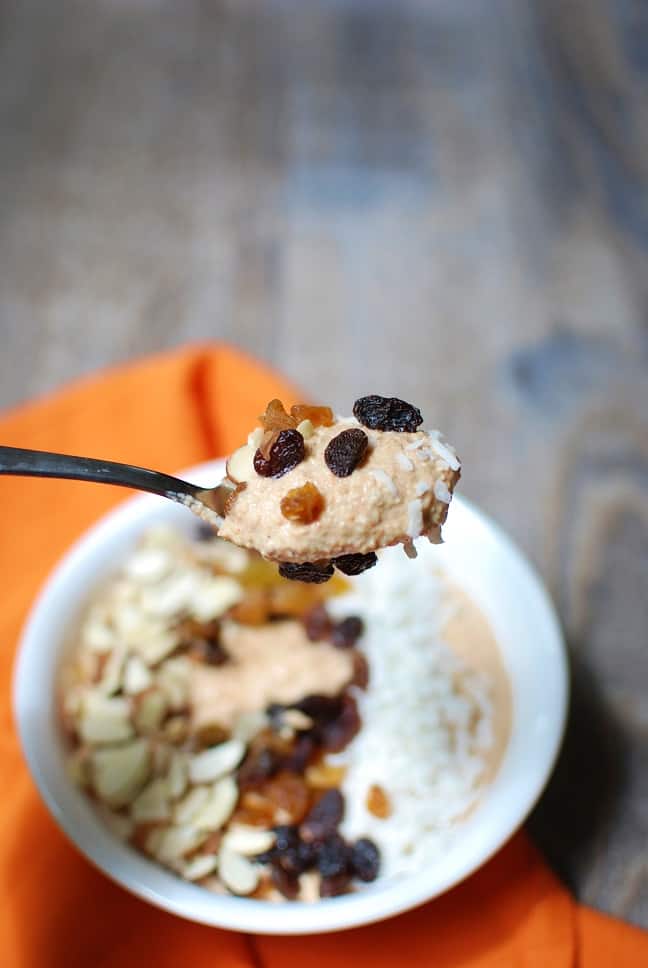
{"type": "Point", "coordinates": [260, 763]}
{"type": "Point", "coordinates": [360, 676]}
{"type": "Point", "coordinates": [355, 564]}
{"type": "Point", "coordinates": [333, 856]}
{"type": "Point", "coordinates": [346, 633]}
{"type": "Point", "coordinates": [283, 455]}
{"type": "Point", "coordinates": [210, 651]}
{"type": "Point", "coordinates": [387, 413]}
{"type": "Point", "coordinates": [287, 884]}
{"type": "Point", "coordinates": [290, 796]}
{"type": "Point", "coordinates": [317, 623]}
{"type": "Point", "coordinates": [303, 504]}
{"type": "Point", "coordinates": [299, 757]}
{"type": "Point", "coordinates": [253, 609]}
{"type": "Point", "coordinates": [325, 776]}
{"type": "Point", "coordinates": [334, 886]}
{"type": "Point", "coordinates": [365, 859]}
{"type": "Point", "coordinates": [339, 732]}
{"type": "Point", "coordinates": [276, 418]}
{"type": "Point", "coordinates": [323, 819]}
{"type": "Point", "coordinates": [308, 571]}
{"type": "Point", "coordinates": [318, 416]}
{"type": "Point", "coordinates": [378, 802]}
{"type": "Point", "coordinates": [344, 452]}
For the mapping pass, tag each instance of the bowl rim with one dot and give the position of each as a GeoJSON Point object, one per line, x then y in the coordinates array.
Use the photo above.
{"type": "Point", "coordinates": [163, 889]}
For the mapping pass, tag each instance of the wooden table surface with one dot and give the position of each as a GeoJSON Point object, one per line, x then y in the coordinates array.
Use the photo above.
{"type": "Point", "coordinates": [441, 199]}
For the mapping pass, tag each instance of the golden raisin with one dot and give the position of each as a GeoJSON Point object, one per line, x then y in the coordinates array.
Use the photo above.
{"type": "Point", "coordinates": [302, 504]}
{"type": "Point", "coordinates": [253, 609]}
{"type": "Point", "coordinates": [293, 598]}
{"type": "Point", "coordinates": [318, 416]}
{"type": "Point", "coordinates": [324, 776]}
{"type": "Point", "coordinates": [289, 795]}
{"type": "Point", "coordinates": [276, 418]}
{"type": "Point", "coordinates": [378, 802]}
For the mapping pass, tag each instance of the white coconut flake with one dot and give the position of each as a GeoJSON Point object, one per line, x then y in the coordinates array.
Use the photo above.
{"type": "Point", "coordinates": [430, 762]}
{"type": "Point", "coordinates": [414, 518]}
{"type": "Point", "coordinates": [441, 492]}
{"type": "Point", "coordinates": [443, 450]}
{"type": "Point", "coordinates": [404, 462]}
{"type": "Point", "coordinates": [422, 487]}
{"type": "Point", "coordinates": [384, 478]}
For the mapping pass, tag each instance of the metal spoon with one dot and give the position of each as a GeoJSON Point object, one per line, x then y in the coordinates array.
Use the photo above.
{"type": "Point", "coordinates": [208, 503]}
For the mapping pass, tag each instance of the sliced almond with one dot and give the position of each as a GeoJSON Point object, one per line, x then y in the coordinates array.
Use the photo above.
{"type": "Point", "coordinates": [120, 825]}
{"type": "Point", "coordinates": [151, 803]}
{"type": "Point", "coordinates": [240, 465]}
{"type": "Point", "coordinates": [104, 719]}
{"type": "Point", "coordinates": [173, 678]}
{"type": "Point", "coordinates": [157, 646]}
{"type": "Point", "coordinates": [137, 676]}
{"type": "Point", "coordinates": [119, 773]}
{"type": "Point", "coordinates": [306, 429]}
{"type": "Point", "coordinates": [248, 725]}
{"type": "Point", "coordinates": [249, 841]}
{"type": "Point", "coordinates": [216, 761]}
{"type": "Point", "coordinates": [309, 887]}
{"type": "Point", "coordinates": [255, 437]}
{"type": "Point", "coordinates": [199, 866]}
{"type": "Point", "coordinates": [176, 729]}
{"type": "Point", "coordinates": [186, 809]}
{"type": "Point", "coordinates": [212, 597]}
{"type": "Point", "coordinates": [296, 719]}
{"type": "Point", "coordinates": [237, 872]}
{"type": "Point", "coordinates": [171, 596]}
{"type": "Point", "coordinates": [176, 842]}
{"type": "Point", "coordinates": [77, 767]}
{"type": "Point", "coordinates": [97, 636]}
{"type": "Point", "coordinates": [220, 805]}
{"type": "Point", "coordinates": [149, 565]}
{"type": "Point", "coordinates": [177, 775]}
{"type": "Point", "coordinates": [111, 674]}
{"type": "Point", "coordinates": [150, 711]}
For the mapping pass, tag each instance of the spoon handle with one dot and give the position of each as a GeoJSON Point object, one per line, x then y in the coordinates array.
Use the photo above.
{"type": "Point", "coordinates": [40, 463]}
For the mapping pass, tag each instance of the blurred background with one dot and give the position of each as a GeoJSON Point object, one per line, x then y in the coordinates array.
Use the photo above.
{"type": "Point", "coordinates": [445, 200]}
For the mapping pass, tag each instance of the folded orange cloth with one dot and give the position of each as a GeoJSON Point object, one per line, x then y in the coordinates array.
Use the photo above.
{"type": "Point", "coordinates": [59, 912]}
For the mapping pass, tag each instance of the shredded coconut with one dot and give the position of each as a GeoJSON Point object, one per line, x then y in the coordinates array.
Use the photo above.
{"type": "Point", "coordinates": [404, 462]}
{"type": "Point", "coordinates": [414, 518]}
{"type": "Point", "coordinates": [443, 450]}
{"type": "Point", "coordinates": [426, 717]}
{"type": "Point", "coordinates": [441, 491]}
{"type": "Point", "coordinates": [385, 479]}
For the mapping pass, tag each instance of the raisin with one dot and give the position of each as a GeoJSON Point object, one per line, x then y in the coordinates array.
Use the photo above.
{"type": "Point", "coordinates": [355, 564]}
{"type": "Point", "coordinates": [318, 416]}
{"type": "Point", "coordinates": [346, 633]}
{"type": "Point", "coordinates": [309, 571]}
{"type": "Point", "coordinates": [293, 599]}
{"type": "Point", "coordinates": [289, 795]}
{"type": "Point", "coordinates": [333, 856]}
{"type": "Point", "coordinates": [287, 884]}
{"type": "Point", "coordinates": [387, 413]}
{"type": "Point", "coordinates": [339, 732]}
{"type": "Point", "coordinates": [253, 609]}
{"type": "Point", "coordinates": [344, 452]}
{"type": "Point", "coordinates": [378, 802]}
{"type": "Point", "coordinates": [285, 453]}
{"type": "Point", "coordinates": [365, 859]}
{"type": "Point", "coordinates": [323, 819]}
{"type": "Point", "coordinates": [204, 532]}
{"type": "Point", "coordinates": [276, 418]}
{"type": "Point", "coordinates": [302, 504]}
{"type": "Point", "coordinates": [360, 676]}
{"type": "Point", "coordinates": [210, 651]}
{"type": "Point", "coordinates": [298, 759]}
{"type": "Point", "coordinates": [317, 623]}
{"type": "Point", "coordinates": [334, 886]}
{"type": "Point", "coordinates": [321, 709]}
{"type": "Point", "coordinates": [324, 776]}
{"type": "Point", "coordinates": [258, 765]}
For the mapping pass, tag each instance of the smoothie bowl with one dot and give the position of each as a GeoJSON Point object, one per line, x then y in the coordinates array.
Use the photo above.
{"type": "Point", "coordinates": [276, 757]}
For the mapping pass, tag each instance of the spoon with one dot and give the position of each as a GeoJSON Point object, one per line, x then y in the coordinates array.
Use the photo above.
{"type": "Point", "coordinates": [208, 503]}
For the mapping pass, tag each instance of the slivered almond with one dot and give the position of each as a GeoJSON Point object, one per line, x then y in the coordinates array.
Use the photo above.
{"type": "Point", "coordinates": [151, 803]}
{"type": "Point", "coordinates": [199, 866]}
{"type": "Point", "coordinates": [186, 809]}
{"type": "Point", "coordinates": [176, 842]}
{"type": "Point", "coordinates": [118, 774]}
{"type": "Point", "coordinates": [240, 466]}
{"type": "Point", "coordinates": [104, 719]}
{"type": "Point", "coordinates": [216, 761]}
{"type": "Point", "coordinates": [177, 775]}
{"type": "Point", "coordinates": [150, 710]}
{"type": "Point", "coordinates": [219, 807]}
{"type": "Point", "coordinates": [248, 841]}
{"type": "Point", "coordinates": [136, 677]}
{"type": "Point", "coordinates": [237, 872]}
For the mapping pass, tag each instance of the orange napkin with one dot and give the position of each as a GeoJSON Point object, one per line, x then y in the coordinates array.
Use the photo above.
{"type": "Point", "coordinates": [59, 912]}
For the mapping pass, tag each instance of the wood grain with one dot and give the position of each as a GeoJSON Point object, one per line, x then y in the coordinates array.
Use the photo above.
{"type": "Point", "coordinates": [445, 200]}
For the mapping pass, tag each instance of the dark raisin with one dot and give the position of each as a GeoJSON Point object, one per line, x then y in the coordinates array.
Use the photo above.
{"type": "Point", "coordinates": [298, 759]}
{"type": "Point", "coordinates": [204, 532]}
{"type": "Point", "coordinates": [333, 856]}
{"type": "Point", "coordinates": [334, 886]}
{"type": "Point", "coordinates": [355, 564]}
{"type": "Point", "coordinates": [315, 572]}
{"type": "Point", "coordinates": [257, 767]}
{"type": "Point", "coordinates": [360, 670]}
{"type": "Point", "coordinates": [365, 859]}
{"type": "Point", "coordinates": [286, 453]}
{"type": "Point", "coordinates": [344, 452]}
{"type": "Point", "coordinates": [387, 413]}
{"type": "Point", "coordinates": [285, 836]}
{"type": "Point", "coordinates": [321, 709]}
{"type": "Point", "coordinates": [287, 884]}
{"type": "Point", "coordinates": [317, 623]}
{"type": "Point", "coordinates": [210, 651]}
{"type": "Point", "coordinates": [289, 853]}
{"type": "Point", "coordinates": [346, 633]}
{"type": "Point", "coordinates": [323, 819]}
{"type": "Point", "coordinates": [339, 732]}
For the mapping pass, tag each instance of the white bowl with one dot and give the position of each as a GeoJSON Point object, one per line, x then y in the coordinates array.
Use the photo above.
{"type": "Point", "coordinates": [478, 556]}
